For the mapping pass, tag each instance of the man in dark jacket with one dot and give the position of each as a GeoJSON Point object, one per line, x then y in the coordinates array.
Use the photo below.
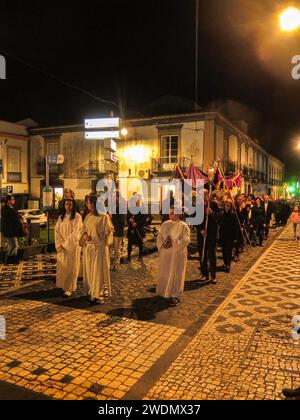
{"type": "Point", "coordinates": [258, 220]}
{"type": "Point", "coordinates": [11, 228]}
{"type": "Point", "coordinates": [209, 262]}
{"type": "Point", "coordinates": [119, 221]}
{"type": "Point", "coordinates": [136, 228]}
{"type": "Point", "coordinates": [228, 234]}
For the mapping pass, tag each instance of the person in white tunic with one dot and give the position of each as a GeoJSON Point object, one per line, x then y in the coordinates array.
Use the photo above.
{"type": "Point", "coordinates": [67, 235]}
{"type": "Point", "coordinates": [172, 242]}
{"type": "Point", "coordinates": [96, 237]}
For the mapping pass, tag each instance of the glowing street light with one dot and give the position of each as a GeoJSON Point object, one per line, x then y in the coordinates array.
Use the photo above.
{"type": "Point", "coordinates": [290, 19]}
{"type": "Point", "coordinates": [124, 132]}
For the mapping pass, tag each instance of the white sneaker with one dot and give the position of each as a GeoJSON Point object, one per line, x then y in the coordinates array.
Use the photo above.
{"type": "Point", "coordinates": [68, 294]}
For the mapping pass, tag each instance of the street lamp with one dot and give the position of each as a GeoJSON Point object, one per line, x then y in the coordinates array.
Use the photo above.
{"type": "Point", "coordinates": [289, 19]}
{"type": "Point", "coordinates": [124, 132]}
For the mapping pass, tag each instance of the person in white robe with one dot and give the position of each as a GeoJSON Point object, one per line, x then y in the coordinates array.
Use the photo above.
{"type": "Point", "coordinates": [67, 234]}
{"type": "Point", "coordinates": [97, 236]}
{"type": "Point", "coordinates": [172, 242]}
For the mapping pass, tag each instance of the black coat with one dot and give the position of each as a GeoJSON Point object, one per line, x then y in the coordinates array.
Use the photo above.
{"type": "Point", "coordinates": [119, 222]}
{"type": "Point", "coordinates": [269, 212]}
{"type": "Point", "coordinates": [228, 228]}
{"type": "Point", "coordinates": [11, 222]}
{"type": "Point", "coordinates": [258, 218]}
{"type": "Point", "coordinates": [212, 226]}
{"type": "Point", "coordinates": [136, 234]}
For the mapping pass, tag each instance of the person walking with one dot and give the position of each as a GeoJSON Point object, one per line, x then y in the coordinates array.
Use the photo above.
{"type": "Point", "coordinates": [119, 222]}
{"type": "Point", "coordinates": [258, 220]}
{"type": "Point", "coordinates": [295, 219]}
{"type": "Point", "coordinates": [12, 228]}
{"type": "Point", "coordinates": [208, 257]}
{"type": "Point", "coordinates": [136, 228]}
{"type": "Point", "coordinates": [95, 240]}
{"type": "Point", "coordinates": [172, 242]}
{"type": "Point", "coordinates": [269, 209]}
{"type": "Point", "coordinates": [227, 234]}
{"type": "Point", "coordinates": [67, 235]}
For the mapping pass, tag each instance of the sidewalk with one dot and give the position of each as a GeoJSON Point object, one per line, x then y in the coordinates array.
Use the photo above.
{"type": "Point", "coordinates": [246, 349]}
{"type": "Point", "coordinates": [137, 347]}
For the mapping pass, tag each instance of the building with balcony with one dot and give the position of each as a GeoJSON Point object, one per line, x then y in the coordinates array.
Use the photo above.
{"type": "Point", "coordinates": [151, 149]}
{"type": "Point", "coordinates": [14, 154]}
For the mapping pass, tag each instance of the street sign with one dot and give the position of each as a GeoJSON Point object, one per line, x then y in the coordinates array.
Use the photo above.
{"type": "Point", "coordinates": [102, 123]}
{"type": "Point", "coordinates": [108, 155]}
{"type": "Point", "coordinates": [102, 135]}
{"type": "Point", "coordinates": [9, 190]}
{"type": "Point", "coordinates": [110, 144]}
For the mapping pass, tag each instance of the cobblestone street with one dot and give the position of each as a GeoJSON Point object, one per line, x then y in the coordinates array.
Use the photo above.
{"type": "Point", "coordinates": [227, 341]}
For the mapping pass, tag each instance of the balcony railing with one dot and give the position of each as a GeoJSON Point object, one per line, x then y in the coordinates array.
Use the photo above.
{"type": "Point", "coordinates": [98, 167]}
{"type": "Point", "coordinates": [164, 165]}
{"type": "Point", "coordinates": [55, 170]}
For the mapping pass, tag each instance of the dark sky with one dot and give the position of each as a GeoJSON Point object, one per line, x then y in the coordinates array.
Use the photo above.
{"type": "Point", "coordinates": [138, 51]}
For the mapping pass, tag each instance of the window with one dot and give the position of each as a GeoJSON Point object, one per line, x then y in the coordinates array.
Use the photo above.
{"type": "Point", "coordinates": [14, 177]}
{"type": "Point", "coordinates": [52, 149]}
{"type": "Point", "coordinates": [169, 149]}
{"type": "Point", "coordinates": [13, 159]}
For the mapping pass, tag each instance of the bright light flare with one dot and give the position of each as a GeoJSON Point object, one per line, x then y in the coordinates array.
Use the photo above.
{"type": "Point", "coordinates": [124, 132]}
{"type": "Point", "coordinates": [290, 19]}
{"type": "Point", "coordinates": [137, 154]}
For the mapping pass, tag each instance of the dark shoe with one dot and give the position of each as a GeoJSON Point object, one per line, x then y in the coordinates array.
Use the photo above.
{"type": "Point", "coordinates": [9, 261]}
{"type": "Point", "coordinates": [227, 269]}
{"type": "Point", "coordinates": [289, 393]}
{"type": "Point", "coordinates": [214, 281]}
{"type": "Point", "coordinates": [204, 279]}
{"type": "Point", "coordinates": [174, 302]}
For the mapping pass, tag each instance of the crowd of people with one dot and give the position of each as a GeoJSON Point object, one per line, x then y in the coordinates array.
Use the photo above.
{"type": "Point", "coordinates": [231, 224]}
{"type": "Point", "coordinates": [88, 244]}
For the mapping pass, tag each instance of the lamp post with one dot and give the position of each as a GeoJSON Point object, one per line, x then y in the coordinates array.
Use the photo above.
{"type": "Point", "coordinates": [197, 55]}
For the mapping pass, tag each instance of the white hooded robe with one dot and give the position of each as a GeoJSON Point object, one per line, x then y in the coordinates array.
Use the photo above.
{"type": "Point", "coordinates": [172, 261]}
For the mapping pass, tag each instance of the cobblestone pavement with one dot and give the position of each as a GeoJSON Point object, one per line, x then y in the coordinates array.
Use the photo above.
{"type": "Point", "coordinates": [246, 349]}
{"type": "Point", "coordinates": [37, 269]}
{"type": "Point", "coordinates": [66, 349]}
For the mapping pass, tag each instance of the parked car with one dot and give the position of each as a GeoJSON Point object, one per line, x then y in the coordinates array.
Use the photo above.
{"type": "Point", "coordinates": [34, 216]}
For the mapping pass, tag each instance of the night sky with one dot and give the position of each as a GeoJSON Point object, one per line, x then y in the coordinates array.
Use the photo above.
{"type": "Point", "coordinates": [134, 52]}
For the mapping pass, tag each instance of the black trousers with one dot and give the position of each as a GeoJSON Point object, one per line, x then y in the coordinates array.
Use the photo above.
{"type": "Point", "coordinates": [130, 246]}
{"type": "Point", "coordinates": [227, 253]}
{"type": "Point", "coordinates": [267, 228]}
{"type": "Point", "coordinates": [209, 264]}
{"type": "Point", "coordinates": [260, 233]}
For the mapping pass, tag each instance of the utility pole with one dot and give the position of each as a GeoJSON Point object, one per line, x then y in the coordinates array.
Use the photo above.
{"type": "Point", "coordinates": [2, 143]}
{"type": "Point", "coordinates": [197, 55]}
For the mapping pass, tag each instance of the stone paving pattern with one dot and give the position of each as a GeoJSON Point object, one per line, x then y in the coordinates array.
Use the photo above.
{"type": "Point", "coordinates": [246, 349]}
{"type": "Point", "coordinates": [66, 349]}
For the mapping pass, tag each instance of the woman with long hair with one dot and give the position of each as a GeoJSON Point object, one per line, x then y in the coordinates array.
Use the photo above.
{"type": "Point", "coordinates": [67, 235]}
{"type": "Point", "coordinates": [95, 240]}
